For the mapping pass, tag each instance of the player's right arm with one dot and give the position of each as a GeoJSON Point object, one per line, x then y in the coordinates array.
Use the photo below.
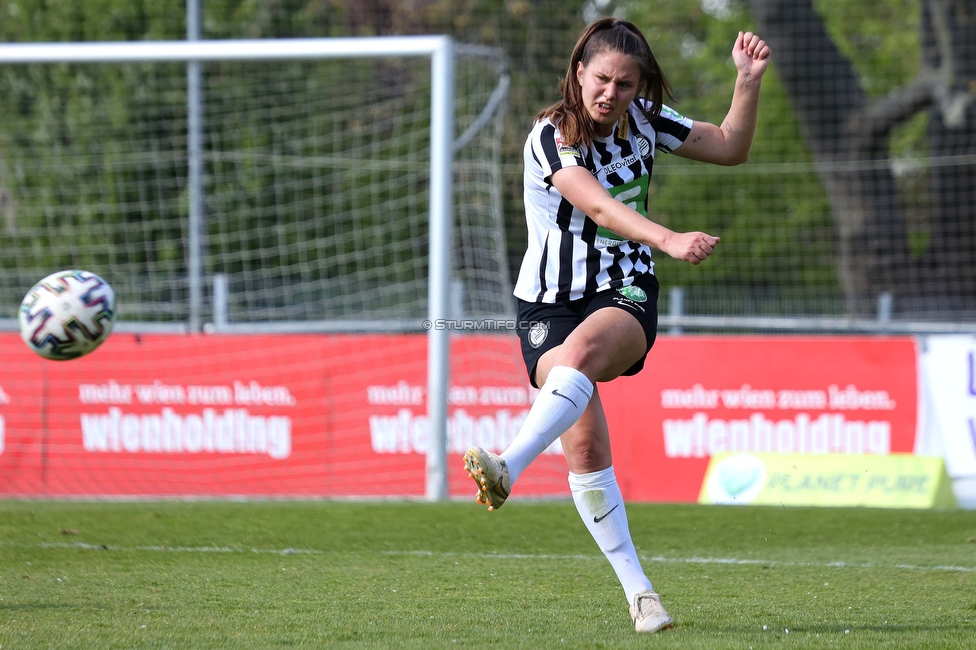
{"type": "Point", "coordinates": [579, 187]}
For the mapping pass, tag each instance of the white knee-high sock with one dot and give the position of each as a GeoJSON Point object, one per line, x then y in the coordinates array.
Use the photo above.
{"type": "Point", "coordinates": [598, 500]}
{"type": "Point", "coordinates": [561, 401]}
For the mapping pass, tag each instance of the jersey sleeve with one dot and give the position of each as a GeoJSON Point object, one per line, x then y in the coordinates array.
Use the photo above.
{"type": "Point", "coordinates": [551, 152]}
{"type": "Point", "coordinates": [671, 128]}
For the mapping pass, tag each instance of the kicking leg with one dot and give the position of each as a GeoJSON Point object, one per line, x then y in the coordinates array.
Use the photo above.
{"type": "Point", "coordinates": [604, 345]}
{"type": "Point", "coordinates": [559, 404]}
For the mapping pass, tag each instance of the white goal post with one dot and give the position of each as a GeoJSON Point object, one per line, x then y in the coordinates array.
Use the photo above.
{"type": "Point", "coordinates": [441, 51]}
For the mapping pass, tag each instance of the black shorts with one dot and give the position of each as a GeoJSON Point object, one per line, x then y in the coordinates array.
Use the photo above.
{"type": "Point", "coordinates": [542, 326]}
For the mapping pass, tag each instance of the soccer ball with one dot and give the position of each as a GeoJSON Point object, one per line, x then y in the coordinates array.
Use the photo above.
{"type": "Point", "coordinates": [67, 315]}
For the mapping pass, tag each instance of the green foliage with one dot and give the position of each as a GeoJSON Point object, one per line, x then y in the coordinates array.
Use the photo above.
{"type": "Point", "coordinates": [343, 574]}
{"type": "Point", "coordinates": [74, 188]}
{"type": "Point", "coordinates": [765, 211]}
{"type": "Point", "coordinates": [64, 144]}
{"type": "Point", "coordinates": [83, 198]}
{"type": "Point", "coordinates": [880, 37]}
{"type": "Point", "coordinates": [29, 21]}
{"type": "Point", "coordinates": [762, 210]}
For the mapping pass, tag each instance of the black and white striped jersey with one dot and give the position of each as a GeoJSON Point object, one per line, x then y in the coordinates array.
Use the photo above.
{"type": "Point", "coordinates": [568, 255]}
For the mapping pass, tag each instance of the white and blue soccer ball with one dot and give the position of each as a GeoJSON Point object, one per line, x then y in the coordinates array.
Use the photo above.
{"type": "Point", "coordinates": [67, 315]}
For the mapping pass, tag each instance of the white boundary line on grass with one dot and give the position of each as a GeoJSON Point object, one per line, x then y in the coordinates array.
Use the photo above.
{"type": "Point", "coordinates": [182, 549]}
{"type": "Point", "coordinates": [690, 560]}
{"type": "Point", "coordinates": [839, 564]}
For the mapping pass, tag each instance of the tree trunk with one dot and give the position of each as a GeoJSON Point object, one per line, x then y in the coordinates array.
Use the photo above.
{"type": "Point", "coordinates": [949, 46]}
{"type": "Point", "coordinates": [849, 138]}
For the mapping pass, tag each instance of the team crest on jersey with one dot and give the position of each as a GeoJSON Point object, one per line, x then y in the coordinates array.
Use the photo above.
{"type": "Point", "coordinates": [644, 146]}
{"type": "Point", "coordinates": [538, 334]}
{"type": "Point", "coordinates": [633, 293]}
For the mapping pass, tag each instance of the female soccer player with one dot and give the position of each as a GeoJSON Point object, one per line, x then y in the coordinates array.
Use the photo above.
{"type": "Point", "coordinates": [587, 294]}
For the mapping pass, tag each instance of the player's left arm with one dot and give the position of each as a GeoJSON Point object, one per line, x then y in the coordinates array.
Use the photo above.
{"type": "Point", "coordinates": [729, 143]}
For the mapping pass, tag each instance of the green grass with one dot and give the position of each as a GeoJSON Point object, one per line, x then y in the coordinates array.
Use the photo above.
{"type": "Point", "coordinates": [417, 575]}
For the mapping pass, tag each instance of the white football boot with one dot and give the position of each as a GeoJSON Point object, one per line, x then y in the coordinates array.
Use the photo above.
{"type": "Point", "coordinates": [490, 472]}
{"type": "Point", "coordinates": [648, 613]}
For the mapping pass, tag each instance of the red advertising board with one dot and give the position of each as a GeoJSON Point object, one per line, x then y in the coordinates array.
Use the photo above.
{"type": "Point", "coordinates": [303, 415]}
{"type": "Point", "coordinates": [345, 415]}
{"type": "Point", "coordinates": [702, 395]}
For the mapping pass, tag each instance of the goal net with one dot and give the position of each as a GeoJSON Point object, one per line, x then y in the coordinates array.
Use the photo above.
{"type": "Point", "coordinates": [316, 179]}
{"type": "Point", "coordinates": [311, 258]}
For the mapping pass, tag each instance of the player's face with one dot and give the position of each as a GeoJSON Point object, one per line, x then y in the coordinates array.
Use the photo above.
{"type": "Point", "coordinates": [609, 83]}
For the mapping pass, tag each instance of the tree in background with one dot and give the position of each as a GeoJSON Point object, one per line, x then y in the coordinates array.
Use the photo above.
{"type": "Point", "coordinates": [761, 209]}
{"type": "Point", "coordinates": [928, 262]}
{"type": "Point", "coordinates": [861, 178]}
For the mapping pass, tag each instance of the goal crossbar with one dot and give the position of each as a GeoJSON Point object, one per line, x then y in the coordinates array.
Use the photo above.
{"type": "Point", "coordinates": [441, 51]}
{"type": "Point", "coordinates": [223, 50]}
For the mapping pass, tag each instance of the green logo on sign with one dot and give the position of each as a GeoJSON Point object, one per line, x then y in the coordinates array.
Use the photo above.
{"type": "Point", "coordinates": [736, 480]}
{"type": "Point", "coordinates": [634, 293]}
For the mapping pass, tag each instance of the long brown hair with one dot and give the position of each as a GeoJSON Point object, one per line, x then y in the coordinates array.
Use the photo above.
{"type": "Point", "coordinates": [605, 35]}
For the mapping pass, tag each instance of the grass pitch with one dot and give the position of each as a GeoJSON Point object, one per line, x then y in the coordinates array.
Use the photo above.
{"type": "Point", "coordinates": [417, 575]}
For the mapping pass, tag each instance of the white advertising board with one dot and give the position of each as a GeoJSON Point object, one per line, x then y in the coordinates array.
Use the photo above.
{"type": "Point", "coordinates": [947, 414]}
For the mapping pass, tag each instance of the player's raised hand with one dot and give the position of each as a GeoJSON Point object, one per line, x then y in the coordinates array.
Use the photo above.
{"type": "Point", "coordinates": [691, 247]}
{"type": "Point", "coordinates": [750, 54]}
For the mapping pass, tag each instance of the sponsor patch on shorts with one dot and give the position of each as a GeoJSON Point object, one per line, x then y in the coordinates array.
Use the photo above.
{"type": "Point", "coordinates": [634, 293]}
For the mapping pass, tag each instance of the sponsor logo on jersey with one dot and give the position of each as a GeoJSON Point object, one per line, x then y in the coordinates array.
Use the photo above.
{"type": "Point", "coordinates": [620, 164]}
{"type": "Point", "coordinates": [572, 152]}
{"type": "Point", "coordinates": [671, 114]}
{"type": "Point", "coordinates": [564, 149]}
{"type": "Point", "coordinates": [634, 196]}
{"type": "Point", "coordinates": [623, 128]}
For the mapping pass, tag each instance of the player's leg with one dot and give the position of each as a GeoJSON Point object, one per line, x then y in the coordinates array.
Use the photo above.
{"type": "Point", "coordinates": [603, 346]}
{"type": "Point", "coordinates": [542, 327]}
{"type": "Point", "coordinates": [600, 348]}
{"type": "Point", "coordinates": [600, 504]}
{"type": "Point", "coordinates": [586, 446]}
{"type": "Point", "coordinates": [562, 399]}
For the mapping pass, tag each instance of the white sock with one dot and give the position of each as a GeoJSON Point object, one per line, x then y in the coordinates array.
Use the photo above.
{"type": "Point", "coordinates": [560, 403]}
{"type": "Point", "coordinates": [598, 500]}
